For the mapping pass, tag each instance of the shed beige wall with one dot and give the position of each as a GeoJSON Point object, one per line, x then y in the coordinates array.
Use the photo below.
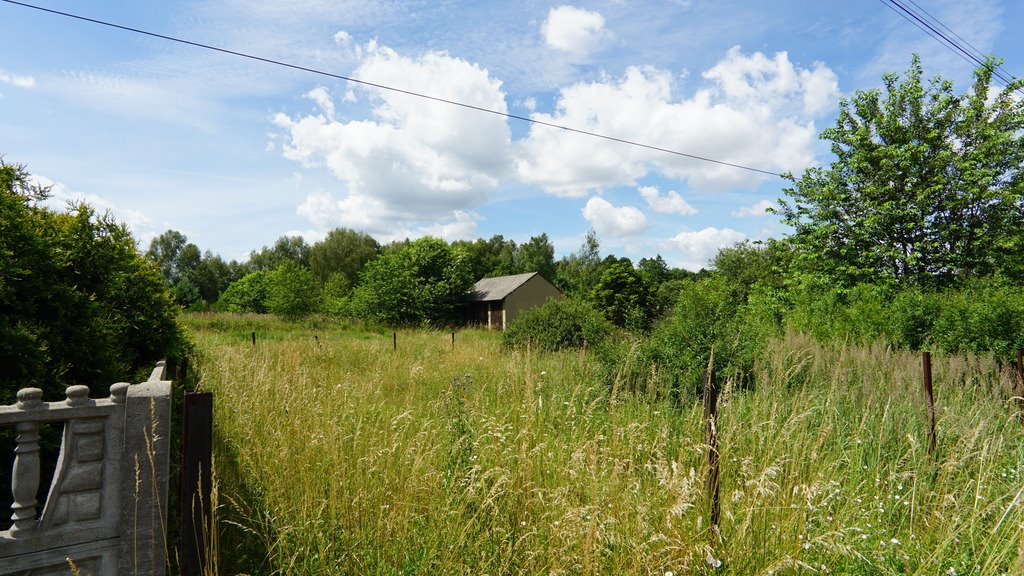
{"type": "Point", "coordinates": [534, 292]}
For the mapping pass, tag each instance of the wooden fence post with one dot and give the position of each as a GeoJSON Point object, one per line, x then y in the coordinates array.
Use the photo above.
{"type": "Point", "coordinates": [926, 362]}
{"type": "Point", "coordinates": [253, 338]}
{"type": "Point", "coordinates": [711, 432]}
{"type": "Point", "coordinates": [394, 340]}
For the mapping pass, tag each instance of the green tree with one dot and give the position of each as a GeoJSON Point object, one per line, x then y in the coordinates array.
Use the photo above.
{"type": "Point", "coordinates": [164, 251]}
{"type": "Point", "coordinates": [537, 255]}
{"type": "Point", "coordinates": [580, 271]}
{"type": "Point", "coordinates": [927, 185]}
{"type": "Point", "coordinates": [78, 303]}
{"type": "Point", "coordinates": [623, 296]}
{"type": "Point", "coordinates": [422, 281]}
{"type": "Point", "coordinates": [292, 292]}
{"type": "Point", "coordinates": [285, 249]}
{"type": "Point", "coordinates": [489, 258]}
{"type": "Point", "coordinates": [247, 294]}
{"type": "Point", "coordinates": [343, 252]}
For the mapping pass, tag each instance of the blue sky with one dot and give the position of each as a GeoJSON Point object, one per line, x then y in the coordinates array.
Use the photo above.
{"type": "Point", "coordinates": [235, 153]}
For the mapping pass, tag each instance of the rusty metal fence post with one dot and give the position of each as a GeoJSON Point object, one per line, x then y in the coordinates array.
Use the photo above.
{"type": "Point", "coordinates": [926, 364]}
{"type": "Point", "coordinates": [711, 432]}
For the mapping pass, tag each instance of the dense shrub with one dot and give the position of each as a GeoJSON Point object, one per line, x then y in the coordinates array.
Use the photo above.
{"type": "Point", "coordinates": [984, 315]}
{"type": "Point", "coordinates": [980, 318]}
{"type": "Point", "coordinates": [558, 324]}
{"type": "Point", "coordinates": [424, 281]}
{"type": "Point", "coordinates": [709, 315]}
{"type": "Point", "coordinates": [292, 291]}
{"type": "Point", "coordinates": [78, 303]}
{"type": "Point", "coordinates": [247, 294]}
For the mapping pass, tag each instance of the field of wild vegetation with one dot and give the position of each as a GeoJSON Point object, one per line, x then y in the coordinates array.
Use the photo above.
{"type": "Point", "coordinates": [337, 454]}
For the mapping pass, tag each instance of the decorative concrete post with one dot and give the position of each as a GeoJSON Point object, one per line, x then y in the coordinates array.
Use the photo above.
{"type": "Point", "coordinates": [25, 477]}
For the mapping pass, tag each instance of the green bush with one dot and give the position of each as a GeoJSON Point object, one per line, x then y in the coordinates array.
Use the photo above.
{"type": "Point", "coordinates": [247, 294]}
{"type": "Point", "coordinates": [980, 318]}
{"type": "Point", "coordinates": [78, 303]}
{"type": "Point", "coordinates": [558, 324]}
{"type": "Point", "coordinates": [292, 291]}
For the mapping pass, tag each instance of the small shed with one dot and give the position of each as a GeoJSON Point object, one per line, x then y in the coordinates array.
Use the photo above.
{"type": "Point", "coordinates": [495, 302]}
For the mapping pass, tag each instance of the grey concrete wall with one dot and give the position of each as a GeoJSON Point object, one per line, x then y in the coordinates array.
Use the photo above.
{"type": "Point", "coordinates": [106, 507]}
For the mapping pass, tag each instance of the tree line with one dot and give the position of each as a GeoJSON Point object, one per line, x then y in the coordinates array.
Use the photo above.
{"type": "Point", "coordinates": [408, 282]}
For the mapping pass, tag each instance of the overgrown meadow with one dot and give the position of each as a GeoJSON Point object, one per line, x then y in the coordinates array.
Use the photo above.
{"type": "Point", "coordinates": [337, 454]}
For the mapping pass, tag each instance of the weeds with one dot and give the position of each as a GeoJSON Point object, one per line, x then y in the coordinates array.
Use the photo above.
{"type": "Point", "coordinates": [343, 456]}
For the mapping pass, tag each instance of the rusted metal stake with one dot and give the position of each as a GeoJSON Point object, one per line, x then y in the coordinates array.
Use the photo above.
{"type": "Point", "coordinates": [711, 430]}
{"type": "Point", "coordinates": [926, 361]}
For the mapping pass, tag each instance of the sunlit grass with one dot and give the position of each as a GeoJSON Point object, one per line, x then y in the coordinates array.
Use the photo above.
{"type": "Point", "coordinates": [339, 454]}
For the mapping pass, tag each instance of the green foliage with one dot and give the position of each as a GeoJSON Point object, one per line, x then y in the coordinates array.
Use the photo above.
{"type": "Point", "coordinates": [710, 315]}
{"type": "Point", "coordinates": [623, 296]}
{"type": "Point", "coordinates": [983, 317]}
{"type": "Point", "coordinates": [501, 257]}
{"type": "Point", "coordinates": [78, 303]}
{"type": "Point", "coordinates": [335, 296]}
{"type": "Point", "coordinates": [424, 281]}
{"type": "Point", "coordinates": [286, 249]}
{"type": "Point", "coordinates": [247, 294]}
{"type": "Point", "coordinates": [291, 292]}
{"type": "Point", "coordinates": [579, 272]}
{"type": "Point", "coordinates": [537, 255]}
{"type": "Point", "coordinates": [556, 325]}
{"type": "Point", "coordinates": [193, 277]}
{"type": "Point", "coordinates": [344, 252]}
{"type": "Point", "coordinates": [927, 185]}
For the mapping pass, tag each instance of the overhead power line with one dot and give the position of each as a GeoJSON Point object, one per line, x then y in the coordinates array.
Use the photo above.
{"type": "Point", "coordinates": [931, 25]}
{"type": "Point", "coordinates": [394, 89]}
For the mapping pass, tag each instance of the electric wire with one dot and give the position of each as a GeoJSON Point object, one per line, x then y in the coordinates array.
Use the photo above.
{"type": "Point", "coordinates": [394, 89]}
{"type": "Point", "coordinates": [975, 58]}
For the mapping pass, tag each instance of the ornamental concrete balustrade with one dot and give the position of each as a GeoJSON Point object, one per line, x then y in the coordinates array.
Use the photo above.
{"type": "Point", "coordinates": [106, 506]}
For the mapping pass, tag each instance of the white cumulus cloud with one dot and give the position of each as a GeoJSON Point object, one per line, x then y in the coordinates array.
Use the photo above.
{"type": "Point", "coordinates": [26, 82]}
{"type": "Point", "coordinates": [670, 203]}
{"type": "Point", "coordinates": [610, 220]}
{"type": "Point", "coordinates": [322, 97]}
{"type": "Point", "coordinates": [414, 160]}
{"type": "Point", "coordinates": [754, 110]}
{"type": "Point", "coordinates": [757, 209]}
{"type": "Point", "coordinates": [573, 30]}
{"type": "Point", "coordinates": [693, 250]}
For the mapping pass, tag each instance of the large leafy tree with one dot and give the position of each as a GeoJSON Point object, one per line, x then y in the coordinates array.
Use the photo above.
{"type": "Point", "coordinates": [285, 249]}
{"type": "Point", "coordinates": [417, 282]}
{"type": "Point", "coordinates": [343, 252]}
{"type": "Point", "coordinates": [78, 303]}
{"type": "Point", "coordinates": [578, 272]}
{"type": "Point", "coordinates": [537, 255]}
{"type": "Point", "coordinates": [927, 185]}
{"type": "Point", "coordinates": [623, 296]}
{"type": "Point", "coordinates": [292, 291]}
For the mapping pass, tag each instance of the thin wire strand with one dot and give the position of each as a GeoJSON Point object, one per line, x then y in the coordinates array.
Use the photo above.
{"type": "Point", "coordinates": [393, 89]}
{"type": "Point", "coordinates": [975, 59]}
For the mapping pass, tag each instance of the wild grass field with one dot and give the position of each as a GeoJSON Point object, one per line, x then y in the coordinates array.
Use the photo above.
{"type": "Point", "coordinates": [336, 454]}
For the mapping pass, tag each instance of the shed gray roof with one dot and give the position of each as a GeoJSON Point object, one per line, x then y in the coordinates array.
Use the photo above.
{"type": "Point", "coordinates": [497, 288]}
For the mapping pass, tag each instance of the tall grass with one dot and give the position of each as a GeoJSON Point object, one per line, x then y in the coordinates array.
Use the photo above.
{"type": "Point", "coordinates": [338, 455]}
